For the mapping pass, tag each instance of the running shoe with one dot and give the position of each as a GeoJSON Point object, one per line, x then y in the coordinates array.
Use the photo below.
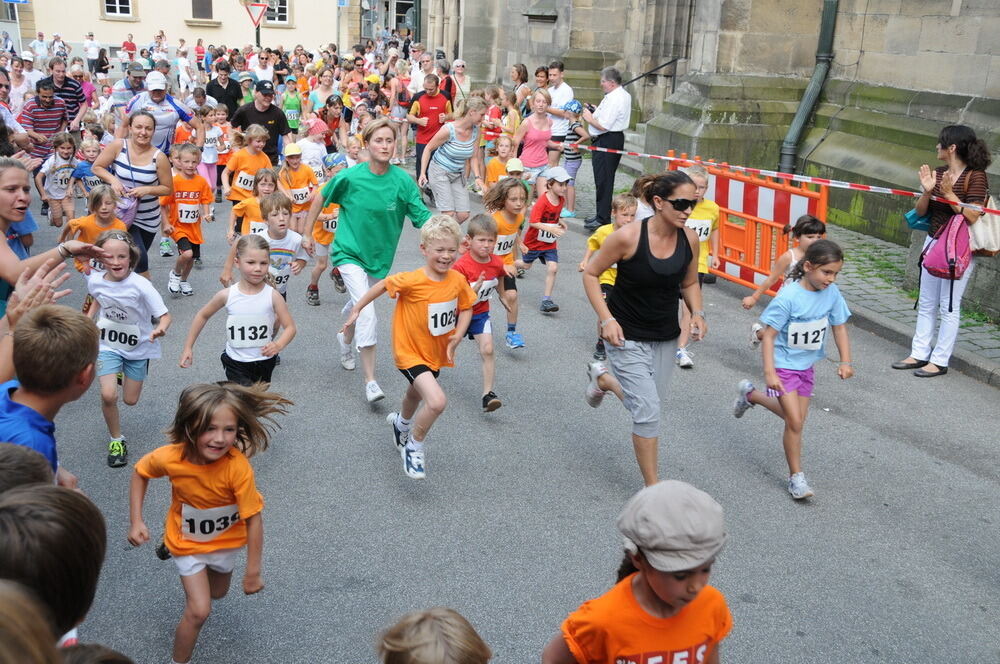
{"type": "Point", "coordinates": [548, 307]}
{"type": "Point", "coordinates": [798, 487]}
{"type": "Point", "coordinates": [346, 353]}
{"type": "Point", "coordinates": [520, 273]}
{"type": "Point", "coordinates": [165, 248]}
{"type": "Point", "coordinates": [197, 263]}
{"type": "Point", "coordinates": [162, 552]}
{"type": "Point", "coordinates": [490, 402]}
{"type": "Point", "coordinates": [742, 404]}
{"type": "Point", "coordinates": [186, 288]}
{"type": "Point", "coordinates": [413, 463]}
{"type": "Point", "coordinates": [600, 353]}
{"type": "Point", "coordinates": [120, 376]}
{"type": "Point", "coordinates": [218, 197]}
{"type": "Point", "coordinates": [117, 453]}
{"type": "Point", "coordinates": [754, 339]}
{"type": "Point", "coordinates": [338, 281]}
{"type": "Point", "coordinates": [401, 438]}
{"type": "Point", "coordinates": [683, 359]}
{"type": "Point", "coordinates": [312, 296]}
{"type": "Point", "coordinates": [45, 208]}
{"type": "Point", "coordinates": [594, 393]}
{"type": "Point", "coordinates": [373, 392]}
{"type": "Point", "coordinates": [514, 340]}
{"type": "Point", "coordinates": [174, 283]}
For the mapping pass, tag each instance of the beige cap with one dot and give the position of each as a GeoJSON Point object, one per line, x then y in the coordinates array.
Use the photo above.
{"type": "Point", "coordinates": [675, 526]}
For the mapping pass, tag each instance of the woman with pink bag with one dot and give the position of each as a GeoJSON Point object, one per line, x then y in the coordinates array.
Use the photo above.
{"type": "Point", "coordinates": [963, 180]}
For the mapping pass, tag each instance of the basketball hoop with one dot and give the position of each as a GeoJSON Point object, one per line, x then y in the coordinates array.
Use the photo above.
{"type": "Point", "coordinates": [256, 10]}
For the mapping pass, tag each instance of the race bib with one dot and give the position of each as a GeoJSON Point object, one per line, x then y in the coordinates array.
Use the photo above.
{"type": "Point", "coordinates": [244, 180]}
{"type": "Point", "coordinates": [91, 181]}
{"type": "Point", "coordinates": [330, 225]}
{"type": "Point", "coordinates": [545, 236]}
{"type": "Point", "coordinates": [441, 317]}
{"type": "Point", "coordinates": [807, 335]}
{"type": "Point", "coordinates": [702, 227]}
{"type": "Point", "coordinates": [120, 336]}
{"type": "Point", "coordinates": [211, 141]}
{"type": "Point", "coordinates": [281, 276]}
{"type": "Point", "coordinates": [248, 330]}
{"type": "Point", "coordinates": [486, 290]}
{"type": "Point", "coordinates": [258, 227]}
{"type": "Point", "coordinates": [505, 244]}
{"type": "Point", "coordinates": [61, 180]}
{"type": "Point", "coordinates": [318, 171]}
{"type": "Point", "coordinates": [299, 196]}
{"type": "Point", "coordinates": [205, 525]}
{"type": "Point", "coordinates": [188, 213]}
{"type": "Point", "coordinates": [292, 114]}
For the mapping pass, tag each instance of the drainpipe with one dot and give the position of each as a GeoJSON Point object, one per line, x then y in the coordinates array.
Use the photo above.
{"type": "Point", "coordinates": [824, 56]}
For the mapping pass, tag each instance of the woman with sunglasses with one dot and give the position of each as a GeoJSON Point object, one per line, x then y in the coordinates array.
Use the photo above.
{"type": "Point", "coordinates": [657, 262]}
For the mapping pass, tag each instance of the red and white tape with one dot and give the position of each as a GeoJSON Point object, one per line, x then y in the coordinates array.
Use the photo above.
{"type": "Point", "coordinates": [839, 184]}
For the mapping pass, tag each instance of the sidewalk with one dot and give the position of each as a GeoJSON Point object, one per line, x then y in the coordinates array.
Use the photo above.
{"type": "Point", "coordinates": [872, 282]}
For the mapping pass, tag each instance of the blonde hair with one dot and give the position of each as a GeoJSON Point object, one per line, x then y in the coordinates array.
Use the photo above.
{"type": "Point", "coordinates": [433, 636]}
{"type": "Point", "coordinates": [695, 171]}
{"type": "Point", "coordinates": [188, 148]}
{"type": "Point", "coordinates": [121, 236]}
{"type": "Point", "coordinates": [275, 201]}
{"type": "Point", "coordinates": [441, 227]}
{"type": "Point", "coordinates": [372, 127]}
{"type": "Point", "coordinates": [263, 174]}
{"type": "Point", "coordinates": [90, 143]}
{"type": "Point", "coordinates": [545, 94]}
{"type": "Point", "coordinates": [253, 406]}
{"type": "Point", "coordinates": [505, 137]}
{"type": "Point", "coordinates": [624, 202]}
{"type": "Point", "coordinates": [252, 242]}
{"type": "Point", "coordinates": [62, 138]}
{"type": "Point", "coordinates": [256, 131]}
{"type": "Point", "coordinates": [98, 194]}
{"type": "Point", "coordinates": [470, 104]}
{"type": "Point", "coordinates": [52, 345]}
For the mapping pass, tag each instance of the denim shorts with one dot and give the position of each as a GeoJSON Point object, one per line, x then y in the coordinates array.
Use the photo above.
{"type": "Point", "coordinates": [544, 255]}
{"type": "Point", "coordinates": [110, 362]}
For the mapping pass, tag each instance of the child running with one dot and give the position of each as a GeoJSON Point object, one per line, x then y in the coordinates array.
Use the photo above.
{"type": "Point", "coordinates": [131, 316]}
{"type": "Point", "coordinates": [83, 178]}
{"type": "Point", "coordinates": [662, 608]}
{"type": "Point", "coordinates": [246, 214]}
{"type": "Point", "coordinates": [208, 168]}
{"type": "Point", "coordinates": [544, 230]}
{"type": "Point", "coordinates": [433, 310]}
{"type": "Point", "coordinates": [506, 202]}
{"type": "Point", "coordinates": [53, 178]}
{"type": "Point", "coordinates": [324, 230]}
{"type": "Point", "coordinates": [225, 146]}
{"type": "Point", "coordinates": [215, 508]}
{"type": "Point", "coordinates": [496, 169]}
{"type": "Point", "coordinates": [796, 321]}
{"type": "Point", "coordinates": [101, 204]}
{"type": "Point", "coordinates": [253, 307]}
{"type": "Point", "coordinates": [623, 208]}
{"type": "Point", "coordinates": [485, 272]}
{"type": "Point", "coordinates": [299, 183]}
{"type": "Point", "coordinates": [185, 209]}
{"type": "Point", "coordinates": [238, 176]}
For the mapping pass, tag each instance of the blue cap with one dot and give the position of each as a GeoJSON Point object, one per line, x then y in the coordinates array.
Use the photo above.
{"type": "Point", "coordinates": [334, 159]}
{"type": "Point", "coordinates": [573, 106]}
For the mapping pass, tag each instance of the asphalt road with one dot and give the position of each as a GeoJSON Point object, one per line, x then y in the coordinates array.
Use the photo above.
{"type": "Point", "coordinates": [894, 560]}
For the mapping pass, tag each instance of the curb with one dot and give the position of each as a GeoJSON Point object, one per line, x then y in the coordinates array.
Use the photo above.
{"type": "Point", "coordinates": [974, 366]}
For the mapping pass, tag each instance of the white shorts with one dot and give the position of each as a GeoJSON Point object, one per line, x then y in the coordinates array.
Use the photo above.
{"type": "Point", "coordinates": [222, 561]}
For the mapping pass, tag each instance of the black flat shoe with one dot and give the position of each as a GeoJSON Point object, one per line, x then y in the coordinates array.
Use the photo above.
{"type": "Point", "coordinates": [921, 373]}
{"type": "Point", "coordinates": [909, 365]}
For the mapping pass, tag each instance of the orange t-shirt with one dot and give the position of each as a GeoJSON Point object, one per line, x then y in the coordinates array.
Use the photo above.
{"type": "Point", "coordinates": [244, 167]}
{"type": "Point", "coordinates": [426, 315]}
{"type": "Point", "coordinates": [86, 229]}
{"type": "Point", "coordinates": [507, 236]}
{"type": "Point", "coordinates": [253, 220]}
{"type": "Point", "coordinates": [209, 503]}
{"type": "Point", "coordinates": [185, 205]}
{"type": "Point", "coordinates": [300, 183]}
{"type": "Point", "coordinates": [614, 628]}
{"type": "Point", "coordinates": [303, 84]}
{"type": "Point", "coordinates": [495, 170]}
{"type": "Point", "coordinates": [324, 231]}
{"type": "Point", "coordinates": [183, 134]}
{"type": "Point", "coordinates": [225, 143]}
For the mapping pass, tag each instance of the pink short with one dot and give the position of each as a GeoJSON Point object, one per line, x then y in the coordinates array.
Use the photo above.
{"type": "Point", "coordinates": [794, 380]}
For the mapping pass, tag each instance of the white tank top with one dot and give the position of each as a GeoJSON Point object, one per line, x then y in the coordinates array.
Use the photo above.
{"type": "Point", "coordinates": [791, 263]}
{"type": "Point", "coordinates": [249, 324]}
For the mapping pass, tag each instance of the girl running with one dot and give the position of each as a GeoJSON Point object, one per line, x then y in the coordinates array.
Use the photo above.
{"type": "Point", "coordinates": [208, 168]}
{"type": "Point", "coordinates": [796, 323]}
{"type": "Point", "coordinates": [126, 307]}
{"type": "Point", "coordinates": [299, 183]}
{"type": "Point", "coordinates": [215, 507]}
{"type": "Point", "coordinates": [246, 214]}
{"type": "Point", "coordinates": [53, 179]}
{"type": "Point", "coordinates": [506, 202]}
{"type": "Point", "coordinates": [253, 307]}
{"type": "Point", "coordinates": [238, 177]}
{"type": "Point", "coordinates": [324, 230]}
{"type": "Point", "coordinates": [101, 204]}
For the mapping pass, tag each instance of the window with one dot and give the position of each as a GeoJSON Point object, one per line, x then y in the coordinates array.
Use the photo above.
{"type": "Point", "coordinates": [277, 11]}
{"type": "Point", "coordinates": [10, 11]}
{"type": "Point", "coordinates": [118, 7]}
{"type": "Point", "coordinates": [201, 9]}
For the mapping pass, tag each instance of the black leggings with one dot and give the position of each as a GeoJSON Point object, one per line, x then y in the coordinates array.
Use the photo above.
{"type": "Point", "coordinates": [144, 240]}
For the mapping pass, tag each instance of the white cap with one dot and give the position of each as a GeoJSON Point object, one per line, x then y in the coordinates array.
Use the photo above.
{"type": "Point", "coordinates": [156, 81]}
{"type": "Point", "coordinates": [28, 55]}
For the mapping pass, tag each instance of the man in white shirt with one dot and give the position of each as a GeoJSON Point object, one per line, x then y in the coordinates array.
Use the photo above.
{"type": "Point", "coordinates": [40, 49]}
{"type": "Point", "coordinates": [91, 49]}
{"type": "Point", "coordinates": [608, 123]}
{"type": "Point", "coordinates": [31, 72]}
{"type": "Point", "coordinates": [561, 93]}
{"type": "Point", "coordinates": [420, 67]}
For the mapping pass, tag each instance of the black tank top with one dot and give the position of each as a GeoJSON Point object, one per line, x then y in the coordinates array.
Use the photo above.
{"type": "Point", "coordinates": [644, 299]}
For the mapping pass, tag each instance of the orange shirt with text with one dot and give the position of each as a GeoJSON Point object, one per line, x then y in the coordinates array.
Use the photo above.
{"type": "Point", "coordinates": [185, 205]}
{"type": "Point", "coordinates": [86, 229]}
{"type": "Point", "coordinates": [244, 167]}
{"type": "Point", "coordinates": [300, 183]}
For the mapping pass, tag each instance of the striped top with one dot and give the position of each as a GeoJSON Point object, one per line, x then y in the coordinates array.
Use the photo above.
{"type": "Point", "coordinates": [71, 92]}
{"type": "Point", "coordinates": [44, 121]}
{"type": "Point", "coordinates": [147, 214]}
{"type": "Point", "coordinates": [454, 153]}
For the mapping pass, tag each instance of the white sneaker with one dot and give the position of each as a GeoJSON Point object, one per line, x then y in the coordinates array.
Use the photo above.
{"type": "Point", "coordinates": [399, 437]}
{"type": "Point", "coordinates": [346, 353]}
{"type": "Point", "coordinates": [595, 394]}
{"type": "Point", "coordinates": [798, 487]}
{"type": "Point", "coordinates": [174, 283]}
{"type": "Point", "coordinates": [683, 359]}
{"type": "Point", "coordinates": [742, 404]}
{"type": "Point", "coordinates": [186, 288]}
{"type": "Point", "coordinates": [413, 463]}
{"type": "Point", "coordinates": [373, 392]}
{"type": "Point", "coordinates": [754, 339]}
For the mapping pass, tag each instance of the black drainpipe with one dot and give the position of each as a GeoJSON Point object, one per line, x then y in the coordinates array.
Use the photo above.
{"type": "Point", "coordinates": [824, 57]}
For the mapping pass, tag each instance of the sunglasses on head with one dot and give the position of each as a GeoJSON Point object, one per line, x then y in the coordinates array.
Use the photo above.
{"type": "Point", "coordinates": [681, 204]}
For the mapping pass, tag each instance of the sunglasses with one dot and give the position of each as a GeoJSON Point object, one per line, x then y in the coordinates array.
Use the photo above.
{"type": "Point", "coordinates": [681, 204]}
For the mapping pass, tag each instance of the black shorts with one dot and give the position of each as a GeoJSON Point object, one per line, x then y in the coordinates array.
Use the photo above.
{"type": "Point", "coordinates": [606, 290]}
{"type": "Point", "coordinates": [248, 373]}
{"type": "Point", "coordinates": [701, 278]}
{"type": "Point", "coordinates": [185, 244]}
{"type": "Point", "coordinates": [414, 371]}
{"type": "Point", "coordinates": [509, 283]}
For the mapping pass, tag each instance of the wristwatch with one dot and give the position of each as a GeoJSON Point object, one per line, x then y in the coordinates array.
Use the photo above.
{"type": "Point", "coordinates": [699, 313]}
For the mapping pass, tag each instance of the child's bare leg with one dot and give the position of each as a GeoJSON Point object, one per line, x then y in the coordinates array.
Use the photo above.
{"type": "Point", "coordinates": [218, 583]}
{"type": "Point", "coordinates": [196, 609]}
{"type": "Point", "coordinates": [434, 402]}
{"type": "Point", "coordinates": [109, 404]}
{"type": "Point", "coordinates": [645, 455]}
{"type": "Point", "coordinates": [761, 398]}
{"type": "Point", "coordinates": [510, 297]}
{"type": "Point", "coordinates": [485, 342]}
{"type": "Point", "coordinates": [367, 354]}
{"type": "Point", "coordinates": [185, 261]}
{"type": "Point", "coordinates": [131, 391]}
{"type": "Point", "coordinates": [796, 409]}
{"type": "Point", "coordinates": [550, 277]}
{"type": "Point", "coordinates": [321, 265]}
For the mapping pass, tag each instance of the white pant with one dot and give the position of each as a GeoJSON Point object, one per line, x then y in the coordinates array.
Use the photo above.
{"type": "Point", "coordinates": [358, 282]}
{"type": "Point", "coordinates": [935, 294]}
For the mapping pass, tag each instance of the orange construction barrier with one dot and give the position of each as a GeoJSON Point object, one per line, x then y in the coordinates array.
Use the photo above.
{"type": "Point", "coordinates": [753, 213]}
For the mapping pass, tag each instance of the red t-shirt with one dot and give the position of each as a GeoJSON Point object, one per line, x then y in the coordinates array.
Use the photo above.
{"type": "Point", "coordinates": [129, 48]}
{"type": "Point", "coordinates": [492, 113]}
{"type": "Point", "coordinates": [425, 106]}
{"type": "Point", "coordinates": [544, 212]}
{"type": "Point", "coordinates": [472, 268]}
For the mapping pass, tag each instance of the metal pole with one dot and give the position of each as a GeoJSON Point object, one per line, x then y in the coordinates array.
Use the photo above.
{"type": "Point", "coordinates": [258, 36]}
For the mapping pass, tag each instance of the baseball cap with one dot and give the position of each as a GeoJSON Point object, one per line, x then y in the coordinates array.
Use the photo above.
{"type": "Point", "coordinates": [573, 106]}
{"type": "Point", "coordinates": [514, 165]}
{"type": "Point", "coordinates": [265, 87]}
{"type": "Point", "coordinates": [134, 69]}
{"type": "Point", "coordinates": [675, 526]}
{"type": "Point", "coordinates": [244, 76]}
{"type": "Point", "coordinates": [334, 159]}
{"type": "Point", "coordinates": [156, 81]}
{"type": "Point", "coordinates": [292, 149]}
{"type": "Point", "coordinates": [76, 69]}
{"type": "Point", "coordinates": [290, 77]}
{"type": "Point", "coordinates": [557, 173]}
{"type": "Point", "coordinates": [28, 55]}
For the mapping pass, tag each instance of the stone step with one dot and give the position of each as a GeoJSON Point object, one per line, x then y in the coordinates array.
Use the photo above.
{"type": "Point", "coordinates": [746, 88]}
{"type": "Point", "coordinates": [592, 61]}
{"type": "Point", "coordinates": [632, 165]}
{"type": "Point", "coordinates": [896, 129]}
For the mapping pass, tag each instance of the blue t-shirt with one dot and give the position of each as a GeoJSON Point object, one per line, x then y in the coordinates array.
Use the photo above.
{"type": "Point", "coordinates": [25, 426]}
{"type": "Point", "coordinates": [84, 173]}
{"type": "Point", "coordinates": [15, 232]}
{"type": "Point", "coordinates": [802, 317]}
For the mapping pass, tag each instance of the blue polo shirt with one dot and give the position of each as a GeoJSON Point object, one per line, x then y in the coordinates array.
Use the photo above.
{"type": "Point", "coordinates": [25, 426]}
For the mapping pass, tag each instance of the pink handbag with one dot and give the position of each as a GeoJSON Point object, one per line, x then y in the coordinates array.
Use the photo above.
{"type": "Point", "coordinates": [950, 254]}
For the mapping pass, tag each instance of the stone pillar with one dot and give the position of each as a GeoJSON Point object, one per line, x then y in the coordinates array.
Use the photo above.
{"type": "Point", "coordinates": [480, 36]}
